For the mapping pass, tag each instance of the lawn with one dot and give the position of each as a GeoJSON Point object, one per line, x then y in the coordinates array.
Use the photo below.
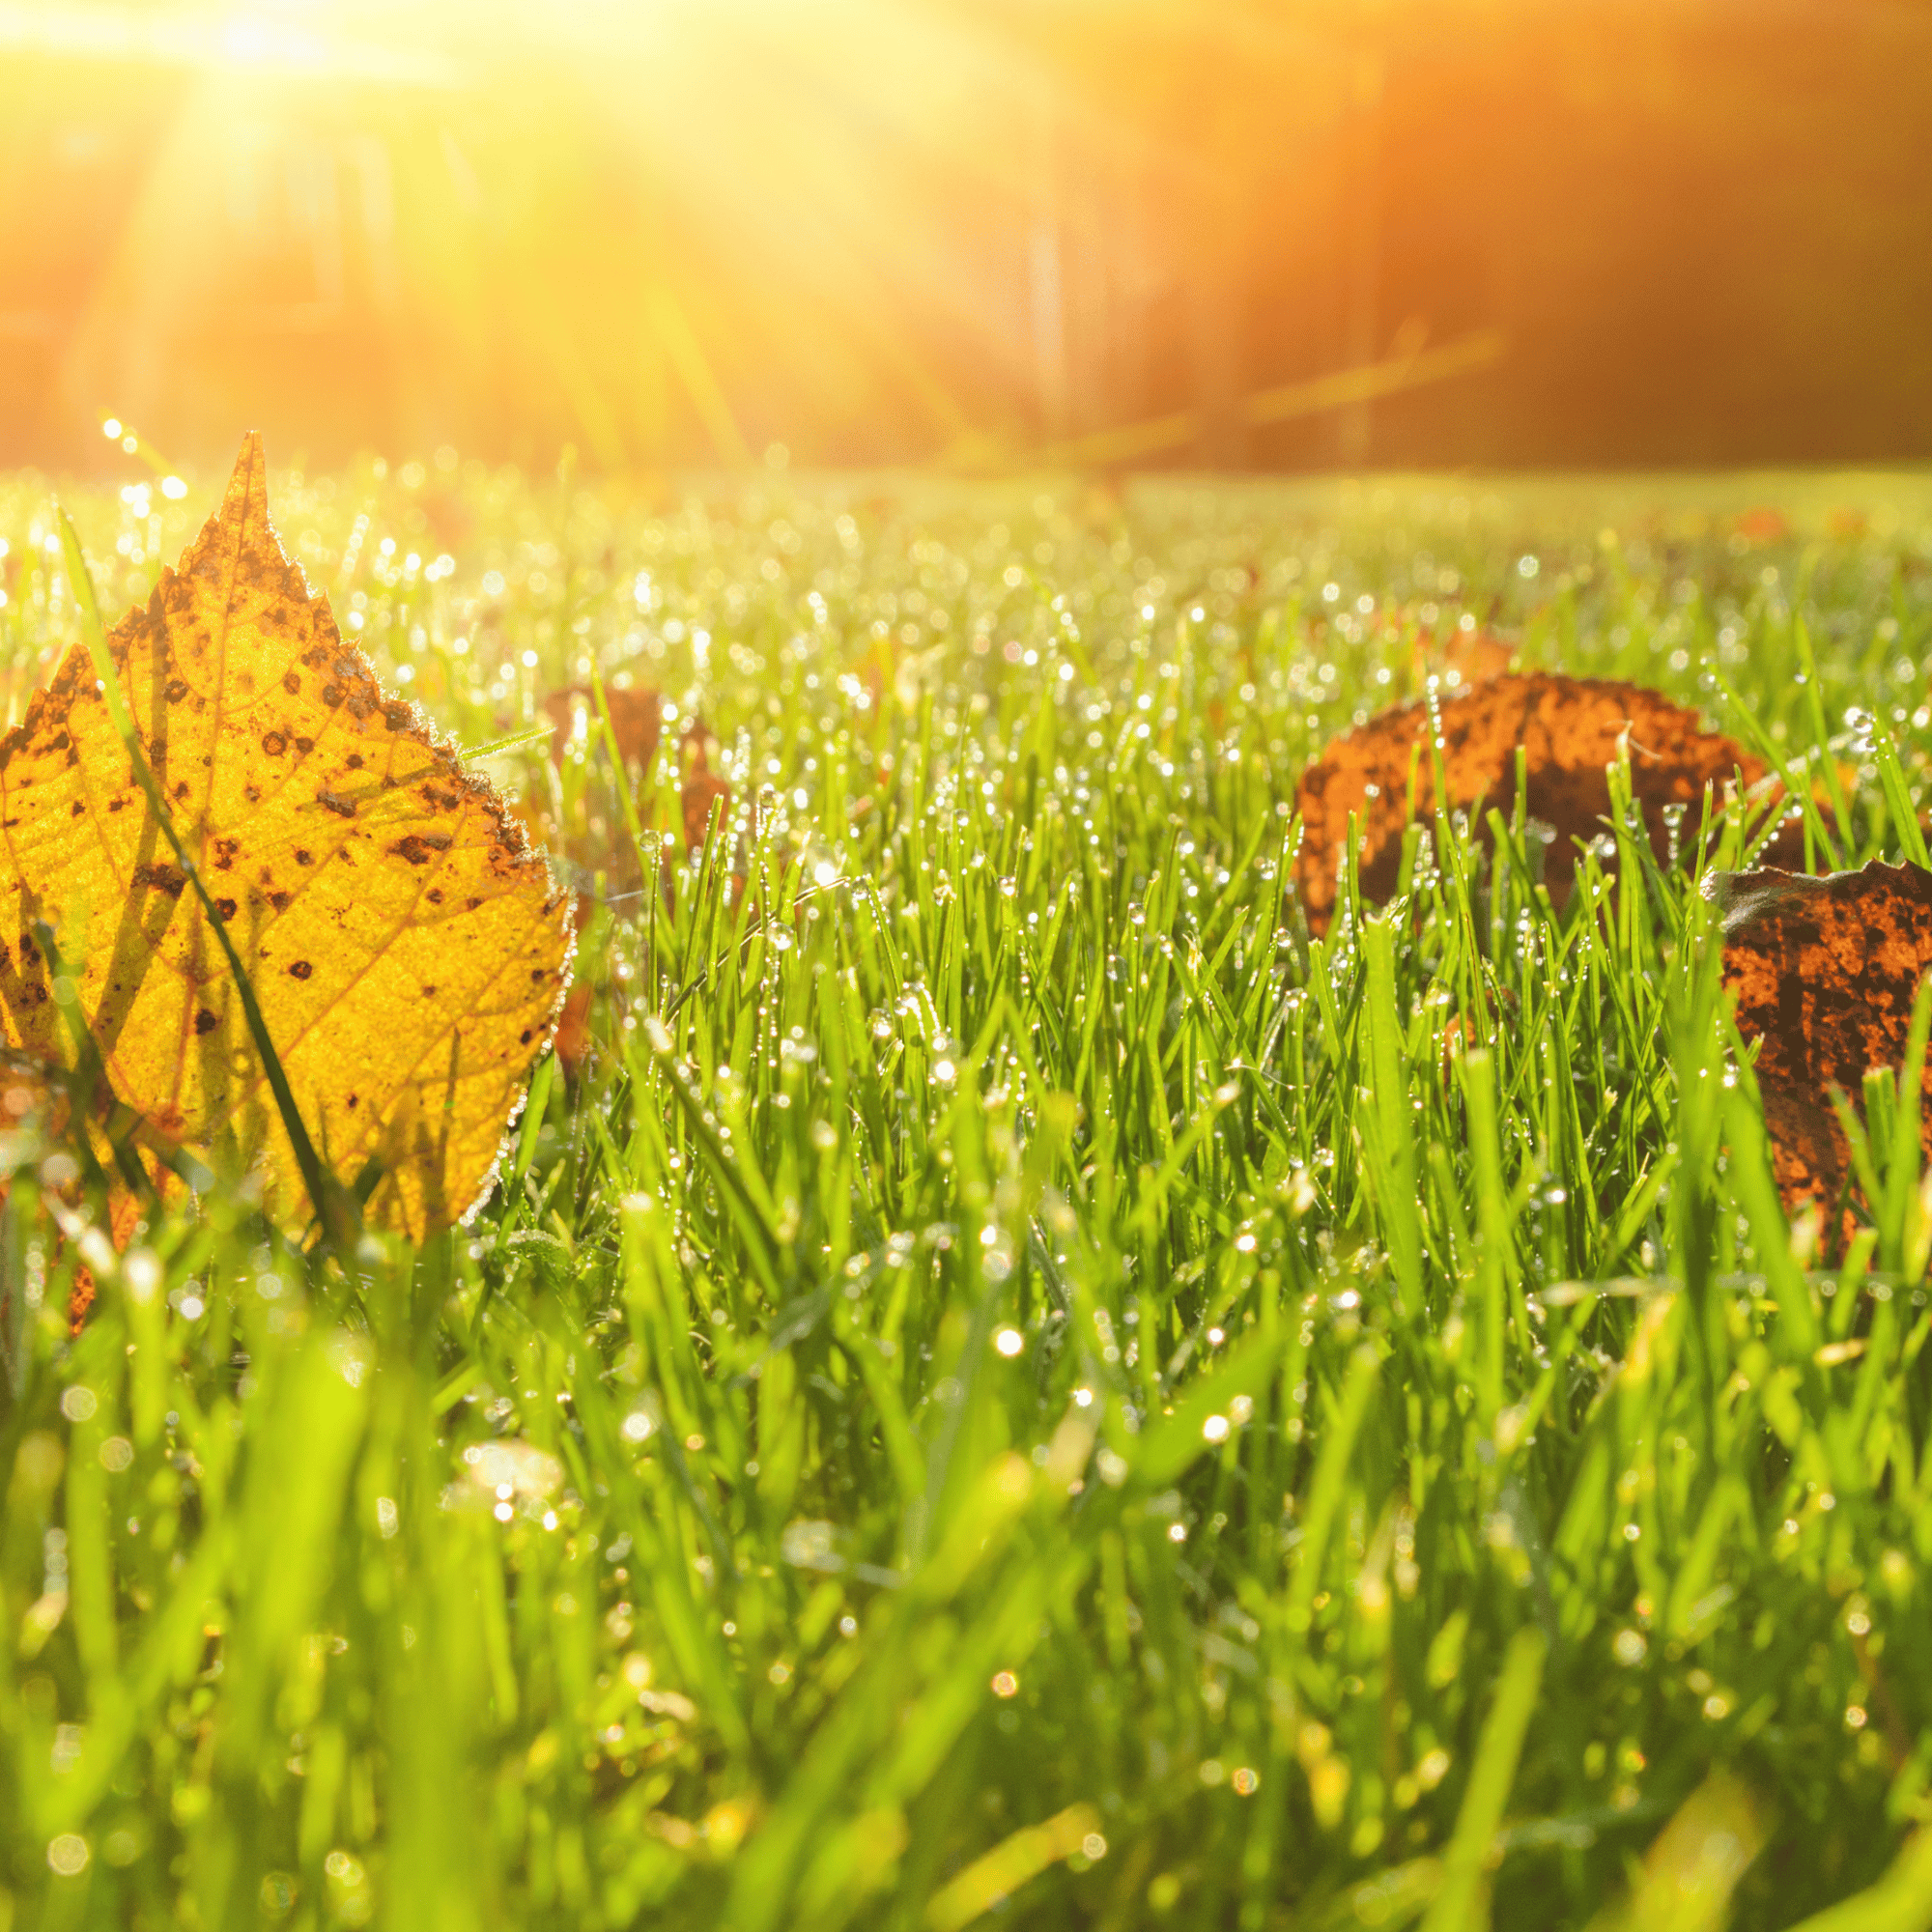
{"type": "Point", "coordinates": [1009, 1383]}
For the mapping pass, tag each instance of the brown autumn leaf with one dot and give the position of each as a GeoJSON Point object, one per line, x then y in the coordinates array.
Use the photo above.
{"type": "Point", "coordinates": [1824, 971]}
{"type": "Point", "coordinates": [572, 1044]}
{"type": "Point", "coordinates": [406, 948]}
{"type": "Point", "coordinates": [43, 1109]}
{"type": "Point", "coordinates": [1570, 727]}
{"type": "Point", "coordinates": [636, 718]}
{"type": "Point", "coordinates": [1461, 657]}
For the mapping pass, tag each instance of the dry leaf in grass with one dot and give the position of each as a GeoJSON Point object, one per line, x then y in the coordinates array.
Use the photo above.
{"type": "Point", "coordinates": [636, 718]}
{"type": "Point", "coordinates": [637, 722]}
{"type": "Point", "coordinates": [1824, 971]}
{"type": "Point", "coordinates": [44, 1111]}
{"type": "Point", "coordinates": [1461, 657]}
{"type": "Point", "coordinates": [1570, 728]}
{"type": "Point", "coordinates": [406, 948]}
{"type": "Point", "coordinates": [572, 1044]}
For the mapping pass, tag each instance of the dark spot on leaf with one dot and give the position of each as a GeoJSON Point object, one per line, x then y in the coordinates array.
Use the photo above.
{"type": "Point", "coordinates": [176, 689]}
{"type": "Point", "coordinates": [169, 879]}
{"type": "Point", "coordinates": [418, 846]}
{"type": "Point", "coordinates": [355, 762]}
{"type": "Point", "coordinates": [329, 801]}
{"type": "Point", "coordinates": [331, 694]}
{"type": "Point", "coordinates": [301, 969]}
{"type": "Point", "coordinates": [292, 684]}
{"type": "Point", "coordinates": [205, 1021]}
{"type": "Point", "coordinates": [304, 746]}
{"type": "Point", "coordinates": [275, 743]}
{"type": "Point", "coordinates": [303, 858]}
{"type": "Point", "coordinates": [224, 910]}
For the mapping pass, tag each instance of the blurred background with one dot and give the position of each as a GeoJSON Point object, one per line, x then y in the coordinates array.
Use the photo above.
{"type": "Point", "coordinates": [976, 234]}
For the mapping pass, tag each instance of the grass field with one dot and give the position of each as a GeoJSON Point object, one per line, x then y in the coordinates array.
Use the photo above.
{"type": "Point", "coordinates": [1013, 1386]}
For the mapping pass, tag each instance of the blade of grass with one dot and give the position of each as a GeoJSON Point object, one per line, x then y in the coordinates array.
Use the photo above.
{"type": "Point", "coordinates": [335, 1213]}
{"type": "Point", "coordinates": [1458, 1906]}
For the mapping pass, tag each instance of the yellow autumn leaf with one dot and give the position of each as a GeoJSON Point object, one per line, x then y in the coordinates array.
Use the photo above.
{"type": "Point", "coordinates": [407, 949]}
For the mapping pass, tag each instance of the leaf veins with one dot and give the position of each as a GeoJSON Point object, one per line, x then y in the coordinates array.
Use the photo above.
{"type": "Point", "coordinates": [406, 945]}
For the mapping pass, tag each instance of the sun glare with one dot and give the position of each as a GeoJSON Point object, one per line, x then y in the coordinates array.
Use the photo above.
{"type": "Point", "coordinates": [288, 41]}
{"type": "Point", "coordinates": [893, 229]}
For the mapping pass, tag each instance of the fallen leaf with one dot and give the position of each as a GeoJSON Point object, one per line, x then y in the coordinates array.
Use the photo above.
{"type": "Point", "coordinates": [1570, 728]}
{"type": "Point", "coordinates": [38, 1116]}
{"type": "Point", "coordinates": [406, 946]}
{"type": "Point", "coordinates": [572, 1044]}
{"type": "Point", "coordinates": [73, 1131]}
{"type": "Point", "coordinates": [1460, 1035]}
{"type": "Point", "coordinates": [1461, 657]}
{"type": "Point", "coordinates": [636, 718]}
{"type": "Point", "coordinates": [1824, 971]}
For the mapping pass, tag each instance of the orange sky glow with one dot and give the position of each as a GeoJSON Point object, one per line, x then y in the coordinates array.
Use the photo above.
{"type": "Point", "coordinates": [1143, 232]}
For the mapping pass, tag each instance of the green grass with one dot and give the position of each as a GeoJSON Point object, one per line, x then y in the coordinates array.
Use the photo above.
{"type": "Point", "coordinates": [1016, 1386]}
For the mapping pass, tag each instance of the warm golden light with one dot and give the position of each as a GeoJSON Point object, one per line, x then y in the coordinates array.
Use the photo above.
{"type": "Point", "coordinates": [901, 230]}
